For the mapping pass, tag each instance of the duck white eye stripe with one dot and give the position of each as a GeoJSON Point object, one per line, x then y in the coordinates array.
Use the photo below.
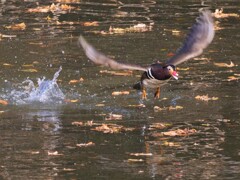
{"type": "Point", "coordinates": [149, 74]}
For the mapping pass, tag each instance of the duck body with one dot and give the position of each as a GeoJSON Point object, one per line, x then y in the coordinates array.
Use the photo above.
{"type": "Point", "coordinates": [155, 76]}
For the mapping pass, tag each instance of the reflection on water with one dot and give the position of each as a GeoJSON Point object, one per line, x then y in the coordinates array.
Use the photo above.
{"type": "Point", "coordinates": [37, 137]}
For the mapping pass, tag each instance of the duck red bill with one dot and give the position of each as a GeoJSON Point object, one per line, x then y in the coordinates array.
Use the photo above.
{"type": "Point", "coordinates": [175, 75]}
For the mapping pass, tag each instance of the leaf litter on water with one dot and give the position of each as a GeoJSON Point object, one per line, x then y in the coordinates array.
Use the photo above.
{"type": "Point", "coordinates": [206, 98]}
{"type": "Point", "coordinates": [85, 144]}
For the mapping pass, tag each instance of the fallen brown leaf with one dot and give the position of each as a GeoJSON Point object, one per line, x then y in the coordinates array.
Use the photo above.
{"type": "Point", "coordinates": [85, 144]}
{"type": "Point", "coordinates": [54, 153]}
{"type": "Point", "coordinates": [3, 102]}
{"type": "Point", "coordinates": [94, 23]}
{"type": "Point", "coordinates": [74, 81]}
{"type": "Point", "coordinates": [113, 117]}
{"type": "Point", "coordinates": [116, 93]}
{"type": "Point", "coordinates": [180, 132]}
{"type": "Point", "coordinates": [20, 26]}
{"type": "Point", "coordinates": [158, 126]}
{"type": "Point", "coordinates": [232, 78]}
{"type": "Point", "coordinates": [135, 160]}
{"type": "Point", "coordinates": [141, 154]}
{"type": "Point", "coordinates": [206, 98]}
{"type": "Point", "coordinates": [71, 100]}
{"type": "Point", "coordinates": [80, 123]}
{"type": "Point", "coordinates": [29, 70]}
{"type": "Point", "coordinates": [137, 105]}
{"type": "Point", "coordinates": [219, 14]}
{"type": "Point", "coordinates": [170, 108]}
{"type": "Point", "coordinates": [112, 128]}
{"type": "Point", "coordinates": [171, 144]}
{"type": "Point", "coordinates": [225, 64]}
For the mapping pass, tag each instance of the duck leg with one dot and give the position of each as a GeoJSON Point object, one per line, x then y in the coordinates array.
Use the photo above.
{"type": "Point", "coordinates": [157, 93]}
{"type": "Point", "coordinates": [144, 93]}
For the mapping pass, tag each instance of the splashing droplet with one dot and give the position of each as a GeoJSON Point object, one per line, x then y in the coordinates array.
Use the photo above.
{"type": "Point", "coordinates": [47, 91]}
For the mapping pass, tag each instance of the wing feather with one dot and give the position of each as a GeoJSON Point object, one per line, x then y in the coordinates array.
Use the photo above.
{"type": "Point", "coordinates": [200, 36]}
{"type": "Point", "coordinates": [99, 58]}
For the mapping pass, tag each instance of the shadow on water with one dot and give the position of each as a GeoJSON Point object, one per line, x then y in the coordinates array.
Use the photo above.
{"type": "Point", "coordinates": [68, 125]}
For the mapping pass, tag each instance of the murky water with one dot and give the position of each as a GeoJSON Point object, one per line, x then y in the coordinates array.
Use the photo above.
{"type": "Point", "coordinates": [58, 132]}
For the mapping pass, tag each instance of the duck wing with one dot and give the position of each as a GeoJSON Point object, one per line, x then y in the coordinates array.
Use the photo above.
{"type": "Point", "coordinates": [199, 37]}
{"type": "Point", "coordinates": [101, 59]}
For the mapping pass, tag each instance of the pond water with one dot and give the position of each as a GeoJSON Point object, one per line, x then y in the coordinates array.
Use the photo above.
{"type": "Point", "coordinates": [66, 124]}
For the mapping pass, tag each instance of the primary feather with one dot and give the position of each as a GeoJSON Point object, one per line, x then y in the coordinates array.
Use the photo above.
{"type": "Point", "coordinates": [101, 59]}
{"type": "Point", "coordinates": [200, 36]}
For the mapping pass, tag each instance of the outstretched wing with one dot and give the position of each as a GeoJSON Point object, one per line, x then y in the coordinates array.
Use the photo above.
{"type": "Point", "coordinates": [101, 59]}
{"type": "Point", "coordinates": [200, 36]}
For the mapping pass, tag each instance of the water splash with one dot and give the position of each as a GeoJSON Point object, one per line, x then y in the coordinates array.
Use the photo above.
{"type": "Point", "coordinates": [46, 91]}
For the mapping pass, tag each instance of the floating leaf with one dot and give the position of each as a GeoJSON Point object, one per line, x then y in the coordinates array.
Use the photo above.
{"type": "Point", "coordinates": [35, 152]}
{"type": "Point", "coordinates": [88, 123]}
{"type": "Point", "coordinates": [85, 144]}
{"type": "Point", "coordinates": [158, 126]}
{"type": "Point", "coordinates": [183, 69]}
{"type": "Point", "coordinates": [20, 26]}
{"type": "Point", "coordinates": [71, 100]}
{"type": "Point", "coordinates": [94, 23]}
{"type": "Point", "coordinates": [225, 64]}
{"type": "Point", "coordinates": [27, 65]}
{"type": "Point", "coordinates": [135, 160]}
{"type": "Point", "coordinates": [54, 153]}
{"type": "Point", "coordinates": [116, 93]}
{"type": "Point", "coordinates": [113, 117]}
{"type": "Point", "coordinates": [232, 78]}
{"type": "Point", "coordinates": [141, 154]}
{"type": "Point", "coordinates": [219, 14]}
{"type": "Point", "coordinates": [3, 102]}
{"type": "Point", "coordinates": [170, 108]}
{"type": "Point", "coordinates": [112, 128]}
{"type": "Point", "coordinates": [74, 81]}
{"type": "Point", "coordinates": [53, 8]}
{"type": "Point", "coordinates": [68, 169]}
{"type": "Point", "coordinates": [206, 98]}
{"type": "Point", "coordinates": [171, 144]}
{"type": "Point", "coordinates": [137, 105]}
{"type": "Point", "coordinates": [29, 70]}
{"type": "Point", "coordinates": [100, 105]}
{"type": "Point", "coordinates": [180, 132]}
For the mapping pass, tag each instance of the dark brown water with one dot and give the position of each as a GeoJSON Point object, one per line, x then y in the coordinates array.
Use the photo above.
{"type": "Point", "coordinates": [39, 140]}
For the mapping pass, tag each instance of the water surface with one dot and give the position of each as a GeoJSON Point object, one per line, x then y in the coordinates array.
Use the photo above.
{"type": "Point", "coordinates": [40, 141]}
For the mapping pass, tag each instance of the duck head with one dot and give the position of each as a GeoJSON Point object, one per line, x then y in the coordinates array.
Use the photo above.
{"type": "Point", "coordinates": [172, 71]}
